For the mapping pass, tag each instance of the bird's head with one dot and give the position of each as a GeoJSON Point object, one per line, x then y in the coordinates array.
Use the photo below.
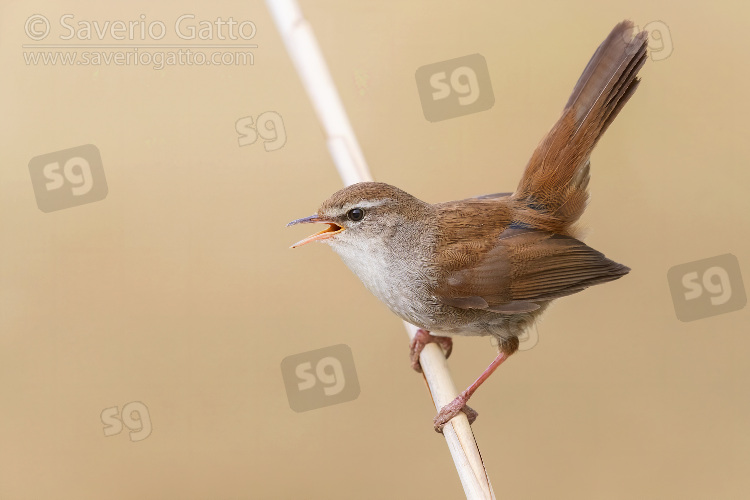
{"type": "Point", "coordinates": [364, 214]}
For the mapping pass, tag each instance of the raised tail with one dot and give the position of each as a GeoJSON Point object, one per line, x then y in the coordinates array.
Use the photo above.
{"type": "Point", "coordinates": [554, 184]}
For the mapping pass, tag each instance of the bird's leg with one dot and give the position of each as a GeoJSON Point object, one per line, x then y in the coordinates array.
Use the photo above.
{"type": "Point", "coordinates": [452, 409]}
{"type": "Point", "coordinates": [421, 339]}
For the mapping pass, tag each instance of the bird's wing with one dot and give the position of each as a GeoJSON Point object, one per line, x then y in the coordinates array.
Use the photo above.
{"type": "Point", "coordinates": [524, 268]}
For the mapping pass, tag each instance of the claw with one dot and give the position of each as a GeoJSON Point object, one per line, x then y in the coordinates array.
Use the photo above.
{"type": "Point", "coordinates": [421, 339]}
{"type": "Point", "coordinates": [452, 409]}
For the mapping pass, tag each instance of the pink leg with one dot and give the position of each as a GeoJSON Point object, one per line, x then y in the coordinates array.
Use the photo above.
{"type": "Point", "coordinates": [452, 409]}
{"type": "Point", "coordinates": [421, 339]}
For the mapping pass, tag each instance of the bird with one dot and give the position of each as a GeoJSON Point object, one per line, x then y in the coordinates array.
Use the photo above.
{"type": "Point", "coordinates": [490, 265]}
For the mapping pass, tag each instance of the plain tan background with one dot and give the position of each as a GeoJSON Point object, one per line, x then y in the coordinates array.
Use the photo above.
{"type": "Point", "coordinates": [178, 289]}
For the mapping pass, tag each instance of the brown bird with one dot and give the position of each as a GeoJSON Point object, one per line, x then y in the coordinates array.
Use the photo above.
{"type": "Point", "coordinates": [490, 265]}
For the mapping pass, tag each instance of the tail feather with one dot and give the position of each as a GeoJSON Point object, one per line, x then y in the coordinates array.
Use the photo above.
{"type": "Point", "coordinates": [554, 184]}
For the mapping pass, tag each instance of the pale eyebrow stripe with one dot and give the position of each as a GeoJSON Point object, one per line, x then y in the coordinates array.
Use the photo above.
{"type": "Point", "coordinates": [364, 204]}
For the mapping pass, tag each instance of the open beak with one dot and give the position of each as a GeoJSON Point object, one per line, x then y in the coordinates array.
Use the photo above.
{"type": "Point", "coordinates": [326, 233]}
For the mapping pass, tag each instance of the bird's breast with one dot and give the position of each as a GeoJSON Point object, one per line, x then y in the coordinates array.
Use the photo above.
{"type": "Point", "coordinates": [398, 279]}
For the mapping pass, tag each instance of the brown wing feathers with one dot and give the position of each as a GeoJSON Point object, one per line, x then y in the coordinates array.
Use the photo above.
{"type": "Point", "coordinates": [528, 266]}
{"type": "Point", "coordinates": [562, 266]}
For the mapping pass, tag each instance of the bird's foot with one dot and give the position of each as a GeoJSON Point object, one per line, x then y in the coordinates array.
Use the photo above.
{"type": "Point", "coordinates": [421, 339]}
{"type": "Point", "coordinates": [452, 409]}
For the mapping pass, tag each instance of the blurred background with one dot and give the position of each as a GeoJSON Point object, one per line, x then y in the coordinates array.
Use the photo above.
{"type": "Point", "coordinates": [143, 323]}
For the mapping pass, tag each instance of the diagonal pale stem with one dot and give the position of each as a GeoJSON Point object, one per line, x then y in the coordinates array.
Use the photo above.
{"type": "Point", "coordinates": [342, 144]}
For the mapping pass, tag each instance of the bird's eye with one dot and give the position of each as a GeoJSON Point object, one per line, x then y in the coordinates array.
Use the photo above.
{"type": "Point", "coordinates": [355, 214]}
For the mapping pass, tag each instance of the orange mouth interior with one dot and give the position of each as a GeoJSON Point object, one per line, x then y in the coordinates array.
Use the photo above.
{"type": "Point", "coordinates": [331, 230]}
